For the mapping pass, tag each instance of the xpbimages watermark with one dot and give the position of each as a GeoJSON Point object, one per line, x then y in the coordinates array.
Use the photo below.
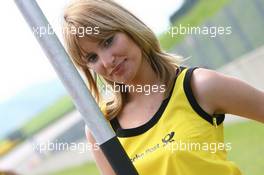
{"type": "Point", "coordinates": [146, 89]}
{"type": "Point", "coordinates": [81, 31]}
{"type": "Point", "coordinates": [211, 31]}
{"type": "Point", "coordinates": [212, 147]}
{"type": "Point", "coordinates": [54, 146]}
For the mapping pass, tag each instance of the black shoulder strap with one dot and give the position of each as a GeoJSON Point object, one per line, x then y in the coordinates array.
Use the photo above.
{"type": "Point", "coordinates": [219, 118]}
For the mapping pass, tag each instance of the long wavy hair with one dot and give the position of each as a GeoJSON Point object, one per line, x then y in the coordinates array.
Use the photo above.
{"type": "Point", "coordinates": [110, 18]}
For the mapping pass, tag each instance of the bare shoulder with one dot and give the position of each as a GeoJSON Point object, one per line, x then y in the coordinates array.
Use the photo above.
{"type": "Point", "coordinates": [203, 84]}
{"type": "Point", "coordinates": [219, 93]}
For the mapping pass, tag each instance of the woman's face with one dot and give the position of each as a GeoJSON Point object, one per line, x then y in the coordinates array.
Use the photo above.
{"type": "Point", "coordinates": [117, 58]}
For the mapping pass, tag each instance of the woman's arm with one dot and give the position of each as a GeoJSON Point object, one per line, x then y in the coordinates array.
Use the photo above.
{"type": "Point", "coordinates": [101, 161]}
{"type": "Point", "coordinates": [218, 93]}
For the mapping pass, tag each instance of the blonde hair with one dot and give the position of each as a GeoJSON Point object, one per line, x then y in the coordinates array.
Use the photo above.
{"type": "Point", "coordinates": [110, 18]}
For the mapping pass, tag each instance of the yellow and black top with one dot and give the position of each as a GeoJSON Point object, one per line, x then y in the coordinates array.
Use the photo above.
{"type": "Point", "coordinates": [180, 139]}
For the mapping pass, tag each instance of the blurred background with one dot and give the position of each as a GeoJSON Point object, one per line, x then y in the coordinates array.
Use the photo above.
{"type": "Point", "coordinates": [35, 109]}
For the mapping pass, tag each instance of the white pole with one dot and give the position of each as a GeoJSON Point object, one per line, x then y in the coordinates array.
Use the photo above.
{"type": "Point", "coordinates": [83, 100]}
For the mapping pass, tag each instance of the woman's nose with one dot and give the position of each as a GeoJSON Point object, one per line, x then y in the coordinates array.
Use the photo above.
{"type": "Point", "coordinates": [108, 60]}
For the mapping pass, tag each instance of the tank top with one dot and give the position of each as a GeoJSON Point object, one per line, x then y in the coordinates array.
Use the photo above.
{"type": "Point", "coordinates": [180, 139]}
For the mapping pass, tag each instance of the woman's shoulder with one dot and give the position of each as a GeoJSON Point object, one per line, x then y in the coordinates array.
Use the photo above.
{"type": "Point", "coordinates": [204, 83]}
{"type": "Point", "coordinates": [219, 93]}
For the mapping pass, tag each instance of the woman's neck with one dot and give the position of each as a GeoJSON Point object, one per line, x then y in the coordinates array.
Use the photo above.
{"type": "Point", "coordinates": [145, 79]}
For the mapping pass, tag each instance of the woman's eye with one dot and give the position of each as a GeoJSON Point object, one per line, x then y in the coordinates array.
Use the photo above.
{"type": "Point", "coordinates": [92, 58]}
{"type": "Point", "coordinates": [108, 42]}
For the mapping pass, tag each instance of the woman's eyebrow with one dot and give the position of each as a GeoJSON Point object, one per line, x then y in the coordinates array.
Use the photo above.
{"type": "Point", "coordinates": [102, 41]}
{"type": "Point", "coordinates": [86, 54]}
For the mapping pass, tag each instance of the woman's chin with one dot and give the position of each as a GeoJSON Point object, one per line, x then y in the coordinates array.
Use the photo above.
{"type": "Point", "coordinates": [121, 79]}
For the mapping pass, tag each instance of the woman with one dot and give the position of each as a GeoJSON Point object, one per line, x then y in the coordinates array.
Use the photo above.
{"type": "Point", "coordinates": [185, 106]}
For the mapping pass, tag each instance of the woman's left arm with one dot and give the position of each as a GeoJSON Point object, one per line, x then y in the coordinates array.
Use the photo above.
{"type": "Point", "coordinates": [219, 93]}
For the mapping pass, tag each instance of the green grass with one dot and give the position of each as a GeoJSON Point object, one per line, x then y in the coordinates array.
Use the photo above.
{"type": "Point", "coordinates": [247, 150]}
{"type": "Point", "coordinates": [52, 113]}
{"type": "Point", "coordinates": [197, 15]}
{"type": "Point", "coordinates": [247, 139]}
{"type": "Point", "coordinates": [2, 142]}
{"type": "Point", "coordinates": [87, 169]}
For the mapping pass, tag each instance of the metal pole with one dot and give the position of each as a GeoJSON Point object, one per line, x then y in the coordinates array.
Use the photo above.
{"type": "Point", "coordinates": [83, 100]}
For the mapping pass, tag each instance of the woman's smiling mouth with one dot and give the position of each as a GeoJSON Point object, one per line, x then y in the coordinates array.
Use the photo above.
{"type": "Point", "coordinates": [119, 69]}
